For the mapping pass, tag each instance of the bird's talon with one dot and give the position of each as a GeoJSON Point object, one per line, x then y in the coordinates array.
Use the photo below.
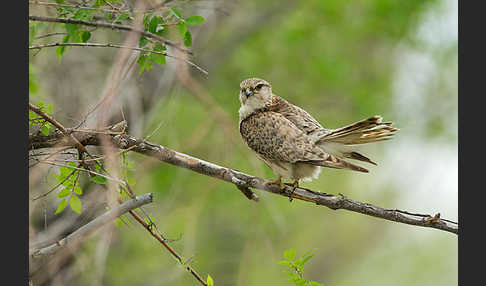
{"type": "Point", "coordinates": [295, 185]}
{"type": "Point", "coordinates": [277, 181]}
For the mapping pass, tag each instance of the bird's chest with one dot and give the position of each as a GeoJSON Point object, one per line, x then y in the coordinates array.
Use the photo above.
{"type": "Point", "coordinates": [261, 134]}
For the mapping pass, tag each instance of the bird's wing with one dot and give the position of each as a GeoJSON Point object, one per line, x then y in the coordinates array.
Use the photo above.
{"type": "Point", "coordinates": [274, 137]}
{"type": "Point", "coordinates": [301, 118]}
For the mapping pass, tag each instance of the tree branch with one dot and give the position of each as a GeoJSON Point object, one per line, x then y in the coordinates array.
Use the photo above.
{"type": "Point", "coordinates": [245, 181]}
{"type": "Point", "coordinates": [99, 45]}
{"type": "Point", "coordinates": [108, 25]}
{"type": "Point", "coordinates": [92, 226]}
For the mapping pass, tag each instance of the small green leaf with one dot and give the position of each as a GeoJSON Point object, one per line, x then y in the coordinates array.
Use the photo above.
{"type": "Point", "coordinates": [209, 280]}
{"type": "Point", "coordinates": [45, 130]}
{"type": "Point", "coordinates": [289, 254]}
{"type": "Point", "coordinates": [72, 29]}
{"type": "Point", "coordinates": [77, 190]}
{"type": "Point", "coordinates": [123, 16]}
{"type": "Point", "coordinates": [64, 193]}
{"type": "Point", "coordinates": [32, 80]}
{"type": "Point", "coordinates": [85, 36]}
{"type": "Point", "coordinates": [98, 180]}
{"type": "Point", "coordinates": [49, 108]}
{"type": "Point", "coordinates": [118, 222]}
{"type": "Point", "coordinates": [194, 20]}
{"type": "Point", "coordinates": [284, 262]}
{"type": "Point", "coordinates": [146, 19]}
{"type": "Point", "coordinates": [75, 204]}
{"type": "Point", "coordinates": [314, 283]}
{"type": "Point", "coordinates": [40, 104]}
{"type": "Point", "coordinates": [60, 51]}
{"type": "Point", "coordinates": [32, 33]}
{"type": "Point", "coordinates": [152, 26]}
{"type": "Point", "coordinates": [142, 42]}
{"type": "Point", "coordinates": [98, 4]}
{"type": "Point", "coordinates": [61, 206]}
{"type": "Point", "coordinates": [305, 259]}
{"type": "Point", "coordinates": [182, 29]}
{"type": "Point", "coordinates": [158, 59]}
{"type": "Point", "coordinates": [176, 13]}
{"type": "Point", "coordinates": [187, 39]}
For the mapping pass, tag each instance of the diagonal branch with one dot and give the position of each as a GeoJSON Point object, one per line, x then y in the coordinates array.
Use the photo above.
{"type": "Point", "coordinates": [108, 25]}
{"type": "Point", "coordinates": [92, 226]}
{"type": "Point", "coordinates": [244, 181]}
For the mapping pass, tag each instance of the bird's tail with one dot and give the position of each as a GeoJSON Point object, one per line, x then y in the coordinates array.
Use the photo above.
{"type": "Point", "coordinates": [338, 141]}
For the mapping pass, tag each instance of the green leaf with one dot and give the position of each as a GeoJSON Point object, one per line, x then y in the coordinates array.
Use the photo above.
{"type": "Point", "coordinates": [98, 4]}
{"type": "Point", "coordinates": [194, 20]}
{"type": "Point", "coordinates": [123, 16]}
{"type": "Point", "coordinates": [152, 26]}
{"type": "Point", "coordinates": [305, 259]}
{"type": "Point", "coordinates": [75, 204]}
{"type": "Point", "coordinates": [158, 59]}
{"type": "Point", "coordinates": [85, 36]}
{"type": "Point", "coordinates": [314, 283]}
{"type": "Point", "coordinates": [49, 108]}
{"type": "Point", "coordinates": [146, 19]}
{"type": "Point", "coordinates": [209, 280]}
{"type": "Point", "coordinates": [40, 104]}
{"type": "Point", "coordinates": [60, 51]}
{"type": "Point", "coordinates": [32, 80]}
{"type": "Point", "coordinates": [32, 33]}
{"type": "Point", "coordinates": [98, 180]}
{"type": "Point", "coordinates": [72, 30]}
{"type": "Point", "coordinates": [118, 222]}
{"type": "Point", "coordinates": [284, 262]}
{"type": "Point", "coordinates": [176, 13]}
{"type": "Point", "coordinates": [64, 193]}
{"type": "Point", "coordinates": [32, 115]}
{"type": "Point", "coordinates": [142, 42]}
{"type": "Point", "coordinates": [77, 190]}
{"type": "Point", "coordinates": [61, 206]}
{"type": "Point", "coordinates": [45, 130]}
{"type": "Point", "coordinates": [182, 29]}
{"type": "Point", "coordinates": [289, 254]}
{"type": "Point", "coordinates": [187, 39]}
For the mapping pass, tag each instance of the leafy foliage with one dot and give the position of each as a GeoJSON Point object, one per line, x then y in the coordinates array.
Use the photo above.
{"type": "Point", "coordinates": [70, 191]}
{"type": "Point", "coordinates": [35, 119]}
{"type": "Point", "coordinates": [157, 24]}
{"type": "Point", "coordinates": [296, 266]}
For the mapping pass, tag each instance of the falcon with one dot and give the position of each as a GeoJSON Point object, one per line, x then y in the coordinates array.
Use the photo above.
{"type": "Point", "coordinates": [292, 143]}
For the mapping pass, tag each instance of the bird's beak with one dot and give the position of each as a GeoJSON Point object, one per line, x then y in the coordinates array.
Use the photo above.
{"type": "Point", "coordinates": [248, 93]}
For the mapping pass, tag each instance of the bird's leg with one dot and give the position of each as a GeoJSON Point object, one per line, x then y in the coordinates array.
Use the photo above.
{"type": "Point", "coordinates": [277, 181]}
{"type": "Point", "coordinates": [295, 185]}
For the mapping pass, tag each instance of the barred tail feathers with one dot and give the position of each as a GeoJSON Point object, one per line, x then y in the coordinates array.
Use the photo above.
{"type": "Point", "coordinates": [338, 142]}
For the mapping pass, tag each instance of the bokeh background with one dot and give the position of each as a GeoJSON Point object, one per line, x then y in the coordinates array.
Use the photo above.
{"type": "Point", "coordinates": [342, 61]}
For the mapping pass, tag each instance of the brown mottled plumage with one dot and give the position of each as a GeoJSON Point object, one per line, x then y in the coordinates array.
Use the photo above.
{"type": "Point", "coordinates": [292, 143]}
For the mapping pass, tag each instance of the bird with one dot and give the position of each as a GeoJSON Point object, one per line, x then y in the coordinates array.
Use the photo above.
{"type": "Point", "coordinates": [294, 144]}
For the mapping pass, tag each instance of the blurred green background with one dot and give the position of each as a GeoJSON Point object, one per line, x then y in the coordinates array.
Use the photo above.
{"type": "Point", "coordinates": [342, 61]}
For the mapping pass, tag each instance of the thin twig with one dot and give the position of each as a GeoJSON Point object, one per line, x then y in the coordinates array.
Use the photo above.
{"type": "Point", "coordinates": [108, 25]}
{"type": "Point", "coordinates": [99, 45]}
{"type": "Point", "coordinates": [56, 5]}
{"type": "Point", "coordinates": [167, 246]}
{"type": "Point", "coordinates": [93, 225]}
{"type": "Point", "coordinates": [55, 187]}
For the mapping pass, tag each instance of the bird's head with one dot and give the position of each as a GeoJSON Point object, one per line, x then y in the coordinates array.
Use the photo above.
{"type": "Point", "coordinates": [255, 94]}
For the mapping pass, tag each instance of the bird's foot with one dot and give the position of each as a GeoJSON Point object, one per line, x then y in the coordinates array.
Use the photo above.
{"type": "Point", "coordinates": [295, 185]}
{"type": "Point", "coordinates": [277, 181]}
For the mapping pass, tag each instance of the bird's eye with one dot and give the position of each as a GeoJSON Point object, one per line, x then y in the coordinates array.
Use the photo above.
{"type": "Point", "coordinates": [260, 85]}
